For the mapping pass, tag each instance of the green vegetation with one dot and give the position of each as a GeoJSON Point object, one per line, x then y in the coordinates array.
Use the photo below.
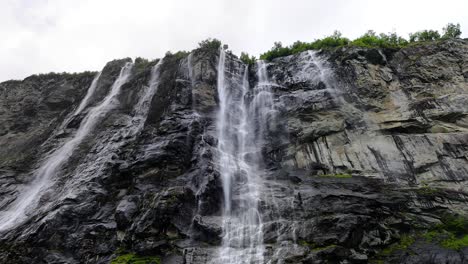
{"type": "Point", "coordinates": [452, 233]}
{"type": "Point", "coordinates": [455, 243]}
{"type": "Point", "coordinates": [369, 40]}
{"type": "Point", "coordinates": [323, 248]}
{"type": "Point", "coordinates": [424, 35]}
{"type": "Point", "coordinates": [210, 44]}
{"type": "Point", "coordinates": [141, 64]}
{"type": "Point", "coordinates": [306, 243]}
{"type": "Point", "coordinates": [314, 247]}
{"type": "Point", "coordinates": [403, 244]}
{"type": "Point", "coordinates": [338, 175]}
{"type": "Point", "coordinates": [335, 40]}
{"type": "Point", "coordinates": [178, 55]}
{"type": "Point", "coordinates": [245, 58]}
{"type": "Point", "coordinates": [455, 224]}
{"type": "Point", "coordinates": [447, 239]}
{"type": "Point", "coordinates": [426, 191]}
{"type": "Point", "coordinates": [451, 31]}
{"type": "Point", "coordinates": [131, 258]}
{"type": "Point", "coordinates": [44, 76]}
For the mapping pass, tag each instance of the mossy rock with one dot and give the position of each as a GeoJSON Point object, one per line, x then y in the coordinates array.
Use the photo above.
{"type": "Point", "coordinates": [131, 258]}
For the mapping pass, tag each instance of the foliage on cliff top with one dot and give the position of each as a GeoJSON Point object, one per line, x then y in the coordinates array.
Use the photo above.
{"type": "Point", "coordinates": [247, 59]}
{"type": "Point", "coordinates": [369, 40]}
{"type": "Point", "coordinates": [210, 44]}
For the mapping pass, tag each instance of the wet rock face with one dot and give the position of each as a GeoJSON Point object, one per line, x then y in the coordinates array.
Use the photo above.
{"type": "Point", "coordinates": [365, 148]}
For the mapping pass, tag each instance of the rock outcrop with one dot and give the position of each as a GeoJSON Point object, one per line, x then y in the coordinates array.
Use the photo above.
{"type": "Point", "coordinates": [366, 160]}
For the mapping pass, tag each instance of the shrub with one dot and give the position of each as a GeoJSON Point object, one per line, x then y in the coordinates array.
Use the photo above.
{"type": "Point", "coordinates": [278, 50]}
{"type": "Point", "coordinates": [451, 31]}
{"type": "Point", "coordinates": [369, 40]}
{"type": "Point", "coordinates": [245, 58]}
{"type": "Point", "coordinates": [209, 44]}
{"type": "Point", "coordinates": [424, 35]}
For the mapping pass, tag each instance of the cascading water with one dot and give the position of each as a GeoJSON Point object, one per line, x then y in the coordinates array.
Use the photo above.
{"type": "Point", "coordinates": [88, 95]}
{"type": "Point", "coordinates": [244, 117]}
{"type": "Point", "coordinates": [18, 211]}
{"type": "Point", "coordinates": [127, 132]}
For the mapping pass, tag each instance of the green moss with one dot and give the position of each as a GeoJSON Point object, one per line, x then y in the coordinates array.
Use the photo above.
{"type": "Point", "coordinates": [338, 175]}
{"type": "Point", "coordinates": [314, 247]}
{"type": "Point", "coordinates": [426, 191]}
{"type": "Point", "coordinates": [324, 247]}
{"type": "Point", "coordinates": [431, 235]}
{"type": "Point", "coordinates": [452, 233]}
{"type": "Point", "coordinates": [403, 244]}
{"type": "Point", "coordinates": [306, 243]}
{"type": "Point", "coordinates": [439, 129]}
{"type": "Point", "coordinates": [447, 239]}
{"type": "Point", "coordinates": [455, 243]}
{"type": "Point", "coordinates": [456, 224]}
{"type": "Point", "coordinates": [131, 258]}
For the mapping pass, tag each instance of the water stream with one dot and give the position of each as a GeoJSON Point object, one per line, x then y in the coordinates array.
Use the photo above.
{"type": "Point", "coordinates": [244, 118]}
{"type": "Point", "coordinates": [28, 198]}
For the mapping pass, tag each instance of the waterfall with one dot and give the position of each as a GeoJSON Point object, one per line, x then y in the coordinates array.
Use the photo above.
{"type": "Point", "coordinates": [245, 116]}
{"type": "Point", "coordinates": [88, 95]}
{"type": "Point", "coordinates": [28, 199]}
{"type": "Point", "coordinates": [127, 132]}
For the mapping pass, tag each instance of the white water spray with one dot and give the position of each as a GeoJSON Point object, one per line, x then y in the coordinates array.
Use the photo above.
{"type": "Point", "coordinates": [129, 131]}
{"type": "Point", "coordinates": [27, 200]}
{"type": "Point", "coordinates": [245, 116]}
{"type": "Point", "coordinates": [88, 95]}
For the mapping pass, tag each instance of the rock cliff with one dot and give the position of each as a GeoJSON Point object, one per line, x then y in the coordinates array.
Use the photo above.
{"type": "Point", "coordinates": [364, 159]}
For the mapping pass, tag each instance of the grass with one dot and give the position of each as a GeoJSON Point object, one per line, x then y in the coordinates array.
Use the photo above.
{"type": "Point", "coordinates": [131, 258]}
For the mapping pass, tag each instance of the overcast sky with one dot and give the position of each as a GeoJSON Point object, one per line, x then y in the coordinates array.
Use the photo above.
{"type": "Point", "coordinates": [39, 36]}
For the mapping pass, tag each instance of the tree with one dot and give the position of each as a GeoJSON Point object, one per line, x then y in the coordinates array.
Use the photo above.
{"type": "Point", "coordinates": [210, 44]}
{"type": "Point", "coordinates": [245, 58]}
{"type": "Point", "coordinates": [451, 31]}
{"type": "Point", "coordinates": [425, 35]}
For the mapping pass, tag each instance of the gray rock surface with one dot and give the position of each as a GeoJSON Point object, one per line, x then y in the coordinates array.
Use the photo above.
{"type": "Point", "coordinates": [368, 146]}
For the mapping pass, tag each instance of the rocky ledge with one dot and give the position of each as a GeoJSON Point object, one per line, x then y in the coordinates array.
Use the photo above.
{"type": "Point", "coordinates": [365, 160]}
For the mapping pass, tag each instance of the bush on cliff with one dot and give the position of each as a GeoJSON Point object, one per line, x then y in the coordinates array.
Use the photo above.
{"type": "Point", "coordinates": [369, 40]}
{"type": "Point", "coordinates": [247, 59]}
{"type": "Point", "coordinates": [451, 31]}
{"type": "Point", "coordinates": [210, 43]}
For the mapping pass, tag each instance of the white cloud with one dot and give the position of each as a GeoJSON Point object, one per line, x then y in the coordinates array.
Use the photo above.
{"type": "Point", "coordinates": [55, 35]}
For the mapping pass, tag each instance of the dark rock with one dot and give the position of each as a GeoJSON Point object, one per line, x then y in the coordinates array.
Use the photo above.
{"type": "Point", "coordinates": [363, 148]}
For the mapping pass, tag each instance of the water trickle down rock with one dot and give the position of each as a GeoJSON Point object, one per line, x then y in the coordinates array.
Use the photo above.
{"type": "Point", "coordinates": [367, 147]}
